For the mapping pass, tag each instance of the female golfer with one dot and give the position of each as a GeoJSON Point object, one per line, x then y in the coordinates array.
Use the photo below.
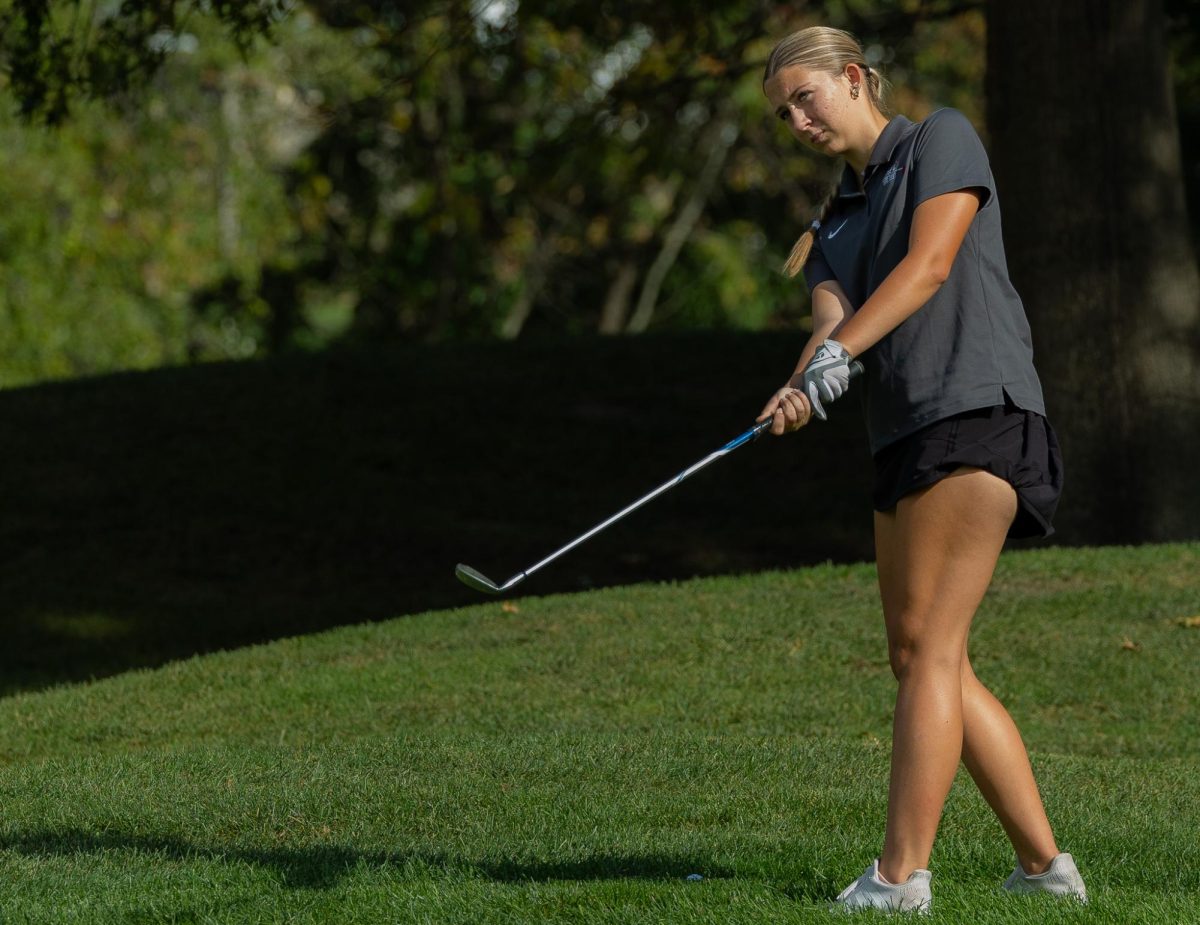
{"type": "Point", "coordinates": [908, 276]}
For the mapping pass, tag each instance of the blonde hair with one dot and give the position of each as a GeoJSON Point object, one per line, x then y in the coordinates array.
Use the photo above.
{"type": "Point", "coordinates": [821, 48]}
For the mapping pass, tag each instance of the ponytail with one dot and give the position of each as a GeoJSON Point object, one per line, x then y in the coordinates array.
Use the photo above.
{"type": "Point", "coordinates": [804, 244]}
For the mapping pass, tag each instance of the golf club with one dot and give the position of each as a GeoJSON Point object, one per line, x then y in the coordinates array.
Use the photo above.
{"type": "Point", "coordinates": [480, 582]}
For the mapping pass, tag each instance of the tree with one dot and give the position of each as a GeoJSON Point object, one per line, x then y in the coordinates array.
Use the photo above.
{"type": "Point", "coordinates": [483, 167]}
{"type": "Point", "coordinates": [1086, 153]}
{"type": "Point", "coordinates": [144, 230]}
{"type": "Point", "coordinates": [547, 165]}
{"type": "Point", "coordinates": [54, 51]}
{"type": "Point", "coordinates": [1183, 30]}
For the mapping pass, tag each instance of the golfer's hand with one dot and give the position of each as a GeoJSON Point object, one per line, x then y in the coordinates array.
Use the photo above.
{"type": "Point", "coordinates": [790, 410]}
{"type": "Point", "coordinates": [827, 376]}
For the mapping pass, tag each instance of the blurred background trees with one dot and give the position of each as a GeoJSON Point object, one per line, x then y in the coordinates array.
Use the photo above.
{"type": "Point", "coordinates": [197, 181]}
{"type": "Point", "coordinates": [191, 180]}
{"type": "Point", "coordinates": [194, 180]}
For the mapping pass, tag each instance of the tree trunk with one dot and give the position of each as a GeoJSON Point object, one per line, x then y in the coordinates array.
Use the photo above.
{"type": "Point", "coordinates": [232, 154]}
{"type": "Point", "coordinates": [616, 301]}
{"type": "Point", "coordinates": [1085, 149]}
{"type": "Point", "coordinates": [719, 141]}
{"type": "Point", "coordinates": [533, 280]}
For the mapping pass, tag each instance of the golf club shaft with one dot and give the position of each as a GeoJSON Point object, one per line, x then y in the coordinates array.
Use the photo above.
{"type": "Point", "coordinates": [480, 582]}
{"type": "Point", "coordinates": [733, 444]}
{"type": "Point", "coordinates": [856, 369]}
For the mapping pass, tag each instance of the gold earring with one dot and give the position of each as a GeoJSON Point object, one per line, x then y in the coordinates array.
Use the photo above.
{"type": "Point", "coordinates": [854, 91]}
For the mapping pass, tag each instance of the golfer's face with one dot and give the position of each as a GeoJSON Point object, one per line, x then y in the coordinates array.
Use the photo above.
{"type": "Point", "coordinates": [812, 103]}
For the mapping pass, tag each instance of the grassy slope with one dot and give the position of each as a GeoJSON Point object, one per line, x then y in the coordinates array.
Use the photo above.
{"type": "Point", "coordinates": [574, 758]}
{"type": "Point", "coordinates": [777, 654]}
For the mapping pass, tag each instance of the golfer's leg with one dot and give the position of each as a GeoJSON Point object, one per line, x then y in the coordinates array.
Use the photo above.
{"type": "Point", "coordinates": [936, 554]}
{"type": "Point", "coordinates": [996, 758]}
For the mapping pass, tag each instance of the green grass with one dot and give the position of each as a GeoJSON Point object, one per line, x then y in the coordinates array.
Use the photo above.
{"type": "Point", "coordinates": [574, 758]}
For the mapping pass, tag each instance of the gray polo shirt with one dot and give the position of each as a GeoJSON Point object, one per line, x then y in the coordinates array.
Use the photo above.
{"type": "Point", "coordinates": [969, 346]}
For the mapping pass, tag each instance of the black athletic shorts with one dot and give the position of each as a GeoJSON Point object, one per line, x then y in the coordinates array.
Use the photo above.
{"type": "Point", "coordinates": [1017, 445]}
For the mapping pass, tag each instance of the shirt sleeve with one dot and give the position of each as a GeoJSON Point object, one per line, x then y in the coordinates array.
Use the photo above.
{"type": "Point", "coordinates": [816, 268]}
{"type": "Point", "coordinates": [949, 156]}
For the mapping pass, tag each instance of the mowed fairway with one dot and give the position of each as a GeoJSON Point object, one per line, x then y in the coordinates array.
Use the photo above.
{"type": "Point", "coordinates": [575, 758]}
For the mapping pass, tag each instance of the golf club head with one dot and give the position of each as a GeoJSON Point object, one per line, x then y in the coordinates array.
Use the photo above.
{"type": "Point", "coordinates": [473, 579]}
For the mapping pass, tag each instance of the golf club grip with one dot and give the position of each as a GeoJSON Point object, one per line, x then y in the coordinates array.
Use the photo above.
{"type": "Point", "coordinates": [856, 370]}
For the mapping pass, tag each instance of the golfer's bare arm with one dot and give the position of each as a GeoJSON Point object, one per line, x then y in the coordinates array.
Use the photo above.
{"type": "Point", "coordinates": [830, 310]}
{"type": "Point", "coordinates": [939, 226]}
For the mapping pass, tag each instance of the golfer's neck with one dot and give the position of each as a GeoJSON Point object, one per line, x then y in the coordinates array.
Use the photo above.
{"type": "Point", "coordinates": [858, 155]}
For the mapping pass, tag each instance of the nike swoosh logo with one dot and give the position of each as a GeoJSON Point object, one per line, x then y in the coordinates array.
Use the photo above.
{"type": "Point", "coordinates": [833, 234]}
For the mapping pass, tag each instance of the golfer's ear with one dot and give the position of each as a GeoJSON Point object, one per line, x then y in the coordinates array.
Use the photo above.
{"type": "Point", "coordinates": [856, 75]}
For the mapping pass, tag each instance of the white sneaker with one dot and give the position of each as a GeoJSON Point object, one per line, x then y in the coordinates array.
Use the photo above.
{"type": "Point", "coordinates": [870, 891]}
{"type": "Point", "coordinates": [1061, 878]}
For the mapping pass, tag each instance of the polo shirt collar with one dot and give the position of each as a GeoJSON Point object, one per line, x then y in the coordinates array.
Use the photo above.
{"type": "Point", "coordinates": [885, 144]}
{"type": "Point", "coordinates": [885, 147]}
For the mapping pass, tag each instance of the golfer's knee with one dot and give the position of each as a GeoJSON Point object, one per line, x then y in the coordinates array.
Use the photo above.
{"type": "Point", "coordinates": [900, 655]}
{"type": "Point", "coordinates": [909, 652]}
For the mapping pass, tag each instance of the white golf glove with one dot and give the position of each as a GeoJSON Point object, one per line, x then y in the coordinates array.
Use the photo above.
{"type": "Point", "coordinates": [827, 376]}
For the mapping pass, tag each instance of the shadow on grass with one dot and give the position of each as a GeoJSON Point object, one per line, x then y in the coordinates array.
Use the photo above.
{"type": "Point", "coordinates": [323, 867]}
{"type": "Point", "coordinates": [152, 516]}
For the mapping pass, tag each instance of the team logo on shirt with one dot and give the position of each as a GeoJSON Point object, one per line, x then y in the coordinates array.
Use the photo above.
{"type": "Point", "coordinates": [829, 236]}
{"type": "Point", "coordinates": [894, 171]}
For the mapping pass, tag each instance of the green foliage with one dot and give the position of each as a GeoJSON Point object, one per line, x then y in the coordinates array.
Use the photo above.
{"type": "Point", "coordinates": [426, 171]}
{"type": "Point", "coordinates": [422, 171]}
{"type": "Point", "coordinates": [88, 256]}
{"type": "Point", "coordinates": [543, 144]}
{"type": "Point", "coordinates": [716, 284]}
{"type": "Point", "coordinates": [141, 236]}
{"type": "Point", "coordinates": [53, 53]}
